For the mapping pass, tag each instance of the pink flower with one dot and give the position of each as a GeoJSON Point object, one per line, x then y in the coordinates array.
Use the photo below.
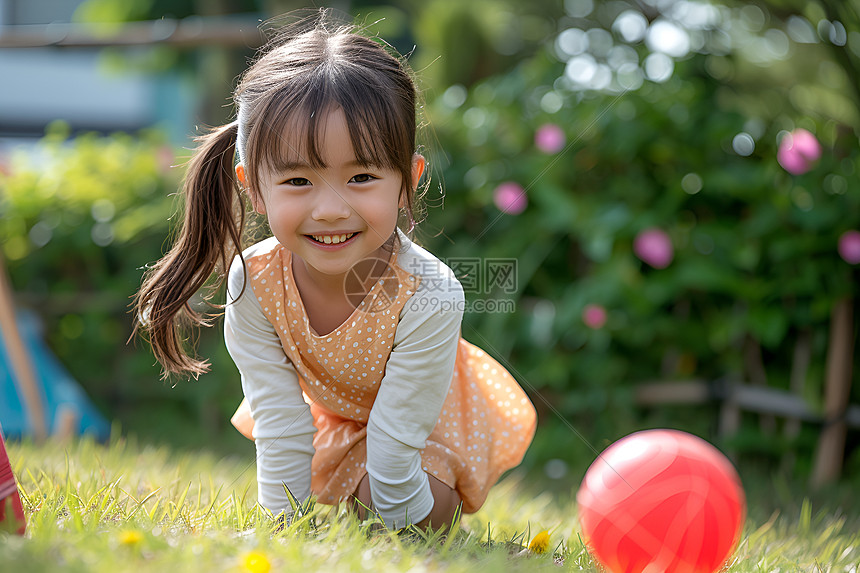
{"type": "Point", "coordinates": [550, 138]}
{"type": "Point", "coordinates": [510, 198]}
{"type": "Point", "coordinates": [654, 247]}
{"type": "Point", "coordinates": [849, 247]}
{"type": "Point", "coordinates": [797, 151]}
{"type": "Point", "coordinates": [594, 316]}
{"type": "Point", "coordinates": [165, 158]}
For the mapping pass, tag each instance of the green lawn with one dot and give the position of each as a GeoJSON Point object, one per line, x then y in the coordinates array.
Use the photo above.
{"type": "Point", "coordinates": [126, 507]}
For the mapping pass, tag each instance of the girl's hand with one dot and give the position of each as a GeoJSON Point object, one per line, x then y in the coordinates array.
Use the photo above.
{"type": "Point", "coordinates": [445, 503]}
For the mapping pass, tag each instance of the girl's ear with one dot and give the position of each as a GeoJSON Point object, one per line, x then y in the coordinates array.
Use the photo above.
{"type": "Point", "coordinates": [256, 200]}
{"type": "Point", "coordinates": [418, 165]}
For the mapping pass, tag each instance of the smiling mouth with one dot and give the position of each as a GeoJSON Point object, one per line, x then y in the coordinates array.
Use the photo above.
{"type": "Point", "coordinates": [332, 239]}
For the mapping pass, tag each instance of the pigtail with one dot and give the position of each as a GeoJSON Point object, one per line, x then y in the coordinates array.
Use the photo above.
{"type": "Point", "coordinates": [214, 214]}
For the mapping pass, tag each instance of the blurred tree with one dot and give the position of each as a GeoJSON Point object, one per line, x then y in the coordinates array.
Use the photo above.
{"type": "Point", "coordinates": [613, 119]}
{"type": "Point", "coordinates": [659, 115]}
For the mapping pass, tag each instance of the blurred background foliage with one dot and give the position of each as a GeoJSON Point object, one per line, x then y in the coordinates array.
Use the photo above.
{"type": "Point", "coordinates": [557, 132]}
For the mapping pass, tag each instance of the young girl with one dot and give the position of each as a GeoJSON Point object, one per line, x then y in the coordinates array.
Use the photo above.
{"type": "Point", "coordinates": [346, 333]}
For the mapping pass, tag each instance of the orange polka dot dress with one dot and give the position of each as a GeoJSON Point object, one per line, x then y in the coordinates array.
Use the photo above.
{"type": "Point", "coordinates": [486, 421]}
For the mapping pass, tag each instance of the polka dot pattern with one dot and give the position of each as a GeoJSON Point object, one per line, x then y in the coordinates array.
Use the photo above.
{"type": "Point", "coordinates": [487, 422]}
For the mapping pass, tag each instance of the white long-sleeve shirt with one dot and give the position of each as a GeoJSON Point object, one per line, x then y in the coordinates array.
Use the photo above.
{"type": "Point", "coordinates": [410, 397]}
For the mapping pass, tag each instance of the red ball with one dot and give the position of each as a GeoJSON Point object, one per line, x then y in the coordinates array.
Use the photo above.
{"type": "Point", "coordinates": [661, 501]}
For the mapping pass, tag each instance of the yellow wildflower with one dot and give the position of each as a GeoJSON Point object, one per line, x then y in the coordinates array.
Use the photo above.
{"type": "Point", "coordinates": [130, 538]}
{"type": "Point", "coordinates": [256, 562]}
{"type": "Point", "coordinates": [540, 542]}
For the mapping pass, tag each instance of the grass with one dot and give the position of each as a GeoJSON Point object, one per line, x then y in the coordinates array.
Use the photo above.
{"type": "Point", "coordinates": [127, 507]}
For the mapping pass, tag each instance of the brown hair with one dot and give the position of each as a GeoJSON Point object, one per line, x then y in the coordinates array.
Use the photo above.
{"type": "Point", "coordinates": [311, 68]}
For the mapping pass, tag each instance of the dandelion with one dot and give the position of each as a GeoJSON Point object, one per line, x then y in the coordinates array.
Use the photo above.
{"type": "Point", "coordinates": [540, 542]}
{"type": "Point", "coordinates": [256, 562]}
{"type": "Point", "coordinates": [130, 538]}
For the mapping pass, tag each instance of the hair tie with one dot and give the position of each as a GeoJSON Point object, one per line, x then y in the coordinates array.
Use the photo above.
{"type": "Point", "coordinates": [241, 139]}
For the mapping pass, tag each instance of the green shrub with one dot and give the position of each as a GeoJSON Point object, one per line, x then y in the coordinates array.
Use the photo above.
{"type": "Point", "coordinates": [755, 266]}
{"type": "Point", "coordinates": [81, 219]}
{"type": "Point", "coordinates": [754, 272]}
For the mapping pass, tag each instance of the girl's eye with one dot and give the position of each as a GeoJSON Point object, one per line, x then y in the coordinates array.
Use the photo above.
{"type": "Point", "coordinates": [297, 182]}
{"type": "Point", "coordinates": [362, 178]}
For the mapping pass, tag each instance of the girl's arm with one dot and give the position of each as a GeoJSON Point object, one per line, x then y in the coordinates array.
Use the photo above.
{"type": "Point", "coordinates": [416, 382]}
{"type": "Point", "coordinates": [283, 428]}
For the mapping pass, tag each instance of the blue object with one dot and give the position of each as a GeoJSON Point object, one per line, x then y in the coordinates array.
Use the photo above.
{"type": "Point", "coordinates": [58, 389]}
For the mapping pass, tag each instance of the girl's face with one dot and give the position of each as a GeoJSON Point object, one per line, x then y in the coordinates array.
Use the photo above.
{"type": "Point", "coordinates": [332, 217]}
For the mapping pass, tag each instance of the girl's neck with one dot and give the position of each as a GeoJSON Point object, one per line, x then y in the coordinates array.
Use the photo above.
{"type": "Point", "coordinates": [309, 279]}
{"type": "Point", "coordinates": [323, 297]}
{"type": "Point", "coordinates": [327, 299]}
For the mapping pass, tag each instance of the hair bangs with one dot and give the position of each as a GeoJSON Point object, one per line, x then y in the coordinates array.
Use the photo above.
{"type": "Point", "coordinates": [285, 133]}
{"type": "Point", "coordinates": [289, 113]}
{"type": "Point", "coordinates": [378, 134]}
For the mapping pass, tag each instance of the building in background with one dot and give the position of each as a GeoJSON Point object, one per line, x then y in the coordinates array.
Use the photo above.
{"type": "Point", "coordinates": [74, 84]}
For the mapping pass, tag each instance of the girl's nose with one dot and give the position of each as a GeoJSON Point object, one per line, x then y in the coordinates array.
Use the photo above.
{"type": "Point", "coordinates": [330, 205]}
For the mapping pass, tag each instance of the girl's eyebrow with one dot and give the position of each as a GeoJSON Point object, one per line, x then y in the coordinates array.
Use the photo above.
{"type": "Point", "coordinates": [297, 164]}
{"type": "Point", "coordinates": [292, 165]}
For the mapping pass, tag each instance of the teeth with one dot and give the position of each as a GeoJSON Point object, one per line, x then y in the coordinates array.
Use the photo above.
{"type": "Point", "coordinates": [332, 239]}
